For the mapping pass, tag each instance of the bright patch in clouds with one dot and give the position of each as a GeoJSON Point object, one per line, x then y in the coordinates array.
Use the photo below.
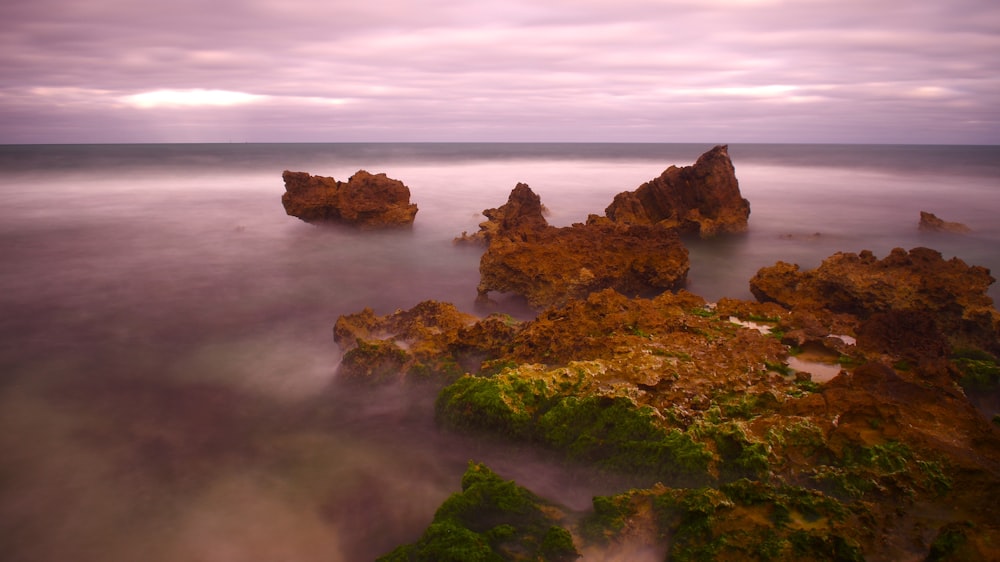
{"type": "Point", "coordinates": [190, 98]}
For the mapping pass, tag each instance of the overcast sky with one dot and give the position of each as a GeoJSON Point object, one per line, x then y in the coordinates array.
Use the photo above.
{"type": "Point", "coordinates": [879, 71]}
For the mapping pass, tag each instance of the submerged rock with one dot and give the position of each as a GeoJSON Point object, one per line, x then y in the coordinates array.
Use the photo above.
{"type": "Point", "coordinates": [365, 200]}
{"type": "Point", "coordinates": [411, 343]}
{"type": "Point", "coordinates": [548, 265]}
{"type": "Point", "coordinates": [931, 223]}
{"type": "Point", "coordinates": [491, 519]}
{"type": "Point", "coordinates": [700, 199]}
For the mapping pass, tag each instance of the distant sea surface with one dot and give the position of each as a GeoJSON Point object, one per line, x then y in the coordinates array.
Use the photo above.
{"type": "Point", "coordinates": [167, 387]}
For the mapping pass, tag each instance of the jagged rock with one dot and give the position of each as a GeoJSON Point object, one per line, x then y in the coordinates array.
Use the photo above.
{"type": "Point", "coordinates": [950, 293]}
{"type": "Point", "coordinates": [407, 342]}
{"type": "Point", "coordinates": [931, 223]}
{"type": "Point", "coordinates": [882, 462]}
{"type": "Point", "coordinates": [523, 212]}
{"type": "Point", "coordinates": [549, 265]}
{"type": "Point", "coordinates": [701, 199]}
{"type": "Point", "coordinates": [365, 200]}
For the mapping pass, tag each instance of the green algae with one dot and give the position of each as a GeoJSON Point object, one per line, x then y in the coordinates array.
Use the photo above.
{"type": "Point", "coordinates": [616, 434]}
{"type": "Point", "coordinates": [704, 312]}
{"type": "Point", "coordinates": [607, 519]}
{"type": "Point", "coordinates": [491, 519]}
{"type": "Point", "coordinates": [979, 372]}
{"type": "Point", "coordinates": [609, 432]}
{"type": "Point", "coordinates": [738, 455]}
{"type": "Point", "coordinates": [751, 520]}
{"type": "Point", "coordinates": [950, 542]}
{"type": "Point", "coordinates": [890, 467]}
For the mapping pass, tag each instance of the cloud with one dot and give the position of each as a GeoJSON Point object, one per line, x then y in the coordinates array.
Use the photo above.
{"type": "Point", "coordinates": [463, 70]}
{"type": "Point", "coordinates": [188, 98]}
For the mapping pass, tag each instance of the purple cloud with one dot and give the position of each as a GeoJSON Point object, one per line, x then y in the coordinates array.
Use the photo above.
{"type": "Point", "coordinates": [628, 70]}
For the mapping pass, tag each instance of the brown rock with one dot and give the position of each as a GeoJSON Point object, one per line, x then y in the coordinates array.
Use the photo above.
{"type": "Point", "coordinates": [365, 201]}
{"type": "Point", "coordinates": [414, 341]}
{"type": "Point", "coordinates": [907, 334]}
{"type": "Point", "coordinates": [522, 213]}
{"type": "Point", "coordinates": [704, 198]}
{"type": "Point", "coordinates": [953, 294]}
{"type": "Point", "coordinates": [549, 265]}
{"type": "Point", "coordinates": [930, 223]}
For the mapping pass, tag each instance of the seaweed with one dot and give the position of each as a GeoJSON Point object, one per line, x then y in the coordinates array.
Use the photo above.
{"type": "Point", "coordinates": [610, 432]}
{"type": "Point", "coordinates": [491, 519]}
{"type": "Point", "coordinates": [752, 520]}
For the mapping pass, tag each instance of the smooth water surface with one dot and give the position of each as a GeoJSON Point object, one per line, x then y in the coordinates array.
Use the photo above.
{"type": "Point", "coordinates": [168, 381]}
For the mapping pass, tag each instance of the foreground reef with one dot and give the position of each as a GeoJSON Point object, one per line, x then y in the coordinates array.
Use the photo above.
{"type": "Point", "coordinates": [828, 420]}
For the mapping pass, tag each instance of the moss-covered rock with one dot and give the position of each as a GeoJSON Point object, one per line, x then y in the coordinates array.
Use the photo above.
{"type": "Point", "coordinates": [491, 519]}
{"type": "Point", "coordinates": [673, 389]}
{"type": "Point", "coordinates": [747, 520]}
{"type": "Point", "coordinates": [609, 431]}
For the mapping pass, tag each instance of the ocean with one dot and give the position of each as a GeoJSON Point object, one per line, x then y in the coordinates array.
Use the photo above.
{"type": "Point", "coordinates": [167, 387]}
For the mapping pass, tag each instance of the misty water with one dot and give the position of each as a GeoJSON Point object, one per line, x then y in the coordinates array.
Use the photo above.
{"type": "Point", "coordinates": [168, 384]}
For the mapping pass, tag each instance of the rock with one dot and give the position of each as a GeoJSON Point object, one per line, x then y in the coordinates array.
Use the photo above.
{"type": "Point", "coordinates": [523, 213]}
{"type": "Point", "coordinates": [406, 343]}
{"type": "Point", "coordinates": [724, 449]}
{"type": "Point", "coordinates": [492, 519]}
{"type": "Point", "coordinates": [930, 223]}
{"type": "Point", "coordinates": [952, 294]}
{"type": "Point", "coordinates": [365, 201]}
{"type": "Point", "coordinates": [701, 199]}
{"type": "Point", "coordinates": [549, 265]}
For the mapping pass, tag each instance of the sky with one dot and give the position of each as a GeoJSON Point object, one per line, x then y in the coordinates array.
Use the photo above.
{"type": "Point", "coordinates": [826, 71]}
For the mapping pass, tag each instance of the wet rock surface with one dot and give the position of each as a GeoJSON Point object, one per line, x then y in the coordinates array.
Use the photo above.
{"type": "Point", "coordinates": [635, 248]}
{"type": "Point", "coordinates": [703, 198]}
{"type": "Point", "coordinates": [521, 215]}
{"type": "Point", "coordinates": [948, 296]}
{"type": "Point", "coordinates": [733, 452]}
{"type": "Point", "coordinates": [736, 447]}
{"type": "Point", "coordinates": [365, 201]}
{"type": "Point", "coordinates": [548, 265]}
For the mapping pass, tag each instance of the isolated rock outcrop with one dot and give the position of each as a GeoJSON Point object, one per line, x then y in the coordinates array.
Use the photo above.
{"type": "Point", "coordinates": [549, 265]}
{"type": "Point", "coordinates": [700, 199]}
{"type": "Point", "coordinates": [929, 222]}
{"type": "Point", "coordinates": [365, 200]}
{"type": "Point", "coordinates": [949, 293]}
{"type": "Point", "coordinates": [523, 212]}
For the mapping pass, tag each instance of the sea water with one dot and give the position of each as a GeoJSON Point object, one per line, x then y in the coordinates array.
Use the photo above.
{"type": "Point", "coordinates": [167, 368]}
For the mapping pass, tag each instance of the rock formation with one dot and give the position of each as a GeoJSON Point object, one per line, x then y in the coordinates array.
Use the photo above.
{"type": "Point", "coordinates": [523, 212]}
{"type": "Point", "coordinates": [701, 199]}
{"type": "Point", "coordinates": [406, 342]}
{"type": "Point", "coordinates": [749, 460]}
{"type": "Point", "coordinates": [492, 519]}
{"type": "Point", "coordinates": [951, 294]}
{"type": "Point", "coordinates": [729, 451]}
{"type": "Point", "coordinates": [549, 265]}
{"type": "Point", "coordinates": [929, 222]}
{"type": "Point", "coordinates": [365, 200]}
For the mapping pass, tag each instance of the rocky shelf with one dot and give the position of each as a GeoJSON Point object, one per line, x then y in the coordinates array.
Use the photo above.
{"type": "Point", "coordinates": [735, 455]}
